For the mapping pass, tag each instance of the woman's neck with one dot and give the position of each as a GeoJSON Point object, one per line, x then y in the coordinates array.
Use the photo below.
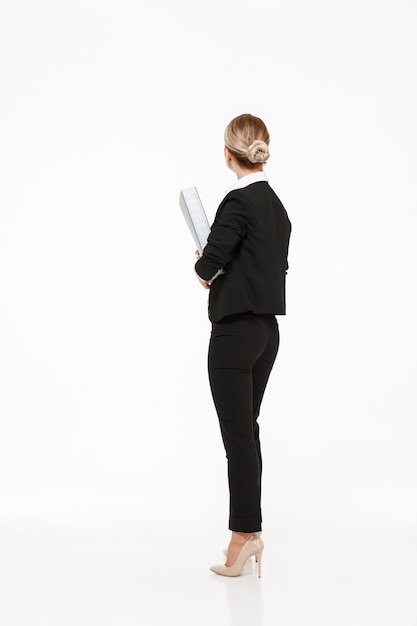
{"type": "Point", "coordinates": [241, 171]}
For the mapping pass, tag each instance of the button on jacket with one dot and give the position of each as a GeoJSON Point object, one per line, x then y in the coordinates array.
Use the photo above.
{"type": "Point", "coordinates": [249, 239]}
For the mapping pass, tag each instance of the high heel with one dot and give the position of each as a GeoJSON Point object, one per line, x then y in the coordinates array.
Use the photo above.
{"type": "Point", "coordinates": [252, 547]}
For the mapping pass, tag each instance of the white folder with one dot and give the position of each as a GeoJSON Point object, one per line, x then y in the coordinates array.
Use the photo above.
{"type": "Point", "coordinates": [196, 218]}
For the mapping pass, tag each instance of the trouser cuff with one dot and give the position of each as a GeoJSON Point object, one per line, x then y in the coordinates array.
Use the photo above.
{"type": "Point", "coordinates": [245, 524]}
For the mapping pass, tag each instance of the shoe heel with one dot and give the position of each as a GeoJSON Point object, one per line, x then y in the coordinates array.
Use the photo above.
{"type": "Point", "coordinates": [258, 559]}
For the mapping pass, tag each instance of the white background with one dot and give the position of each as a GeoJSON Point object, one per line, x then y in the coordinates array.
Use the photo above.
{"type": "Point", "coordinates": [107, 111]}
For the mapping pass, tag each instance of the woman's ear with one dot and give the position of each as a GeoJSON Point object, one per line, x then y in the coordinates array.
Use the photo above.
{"type": "Point", "coordinates": [228, 157]}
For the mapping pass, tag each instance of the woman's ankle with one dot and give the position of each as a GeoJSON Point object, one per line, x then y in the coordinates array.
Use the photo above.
{"type": "Point", "coordinates": [239, 537]}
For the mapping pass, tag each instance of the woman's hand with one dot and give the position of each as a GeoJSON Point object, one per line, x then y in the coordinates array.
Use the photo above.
{"type": "Point", "coordinates": [202, 282]}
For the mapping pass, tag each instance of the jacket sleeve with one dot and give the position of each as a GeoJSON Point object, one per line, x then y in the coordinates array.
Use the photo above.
{"type": "Point", "coordinates": [230, 226]}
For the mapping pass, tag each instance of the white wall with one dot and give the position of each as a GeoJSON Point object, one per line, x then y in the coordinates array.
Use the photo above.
{"type": "Point", "coordinates": [108, 109]}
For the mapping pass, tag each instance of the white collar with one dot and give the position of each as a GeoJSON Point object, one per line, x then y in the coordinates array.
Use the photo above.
{"type": "Point", "coordinates": [255, 177]}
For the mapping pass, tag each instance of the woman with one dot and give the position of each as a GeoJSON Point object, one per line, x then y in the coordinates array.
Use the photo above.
{"type": "Point", "coordinates": [249, 240]}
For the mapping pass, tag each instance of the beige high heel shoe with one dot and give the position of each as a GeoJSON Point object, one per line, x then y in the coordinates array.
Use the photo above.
{"type": "Point", "coordinates": [252, 547]}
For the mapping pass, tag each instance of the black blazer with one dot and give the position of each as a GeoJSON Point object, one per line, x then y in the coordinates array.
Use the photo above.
{"type": "Point", "coordinates": [249, 239]}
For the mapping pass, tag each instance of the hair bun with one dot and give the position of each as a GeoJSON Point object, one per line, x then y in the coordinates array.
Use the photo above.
{"type": "Point", "coordinates": [258, 152]}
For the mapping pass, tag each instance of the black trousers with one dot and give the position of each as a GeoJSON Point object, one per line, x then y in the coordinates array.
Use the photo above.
{"type": "Point", "coordinates": [242, 352]}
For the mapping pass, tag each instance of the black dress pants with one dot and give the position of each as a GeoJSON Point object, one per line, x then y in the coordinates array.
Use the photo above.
{"type": "Point", "coordinates": [242, 352]}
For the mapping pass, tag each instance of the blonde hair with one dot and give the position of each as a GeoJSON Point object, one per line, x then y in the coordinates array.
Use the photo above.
{"type": "Point", "coordinates": [247, 138]}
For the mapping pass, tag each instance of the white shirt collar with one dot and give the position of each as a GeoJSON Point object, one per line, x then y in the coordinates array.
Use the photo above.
{"type": "Point", "coordinates": [255, 177]}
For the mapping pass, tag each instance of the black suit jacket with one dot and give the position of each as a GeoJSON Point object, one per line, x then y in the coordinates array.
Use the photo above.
{"type": "Point", "coordinates": [249, 239]}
